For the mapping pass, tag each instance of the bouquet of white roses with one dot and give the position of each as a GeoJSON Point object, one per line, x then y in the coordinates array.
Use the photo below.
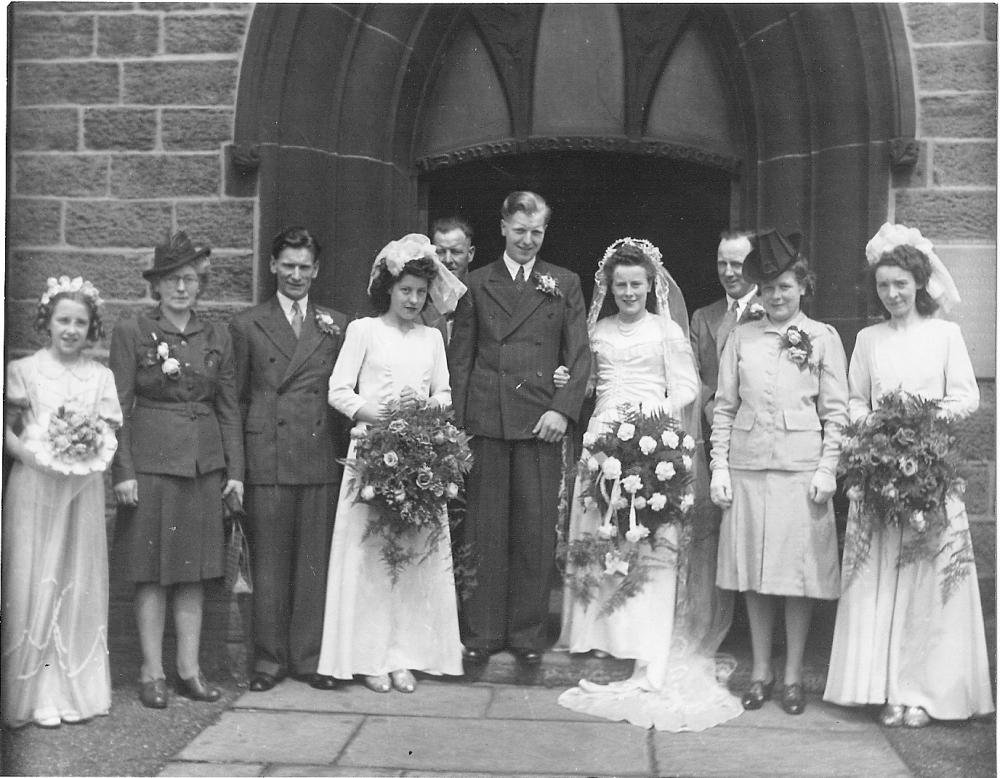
{"type": "Point", "coordinates": [638, 476]}
{"type": "Point", "coordinates": [72, 441]}
{"type": "Point", "coordinates": [407, 466]}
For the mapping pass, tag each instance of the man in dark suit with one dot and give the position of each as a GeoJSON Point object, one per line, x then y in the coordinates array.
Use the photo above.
{"type": "Point", "coordinates": [711, 325]}
{"type": "Point", "coordinates": [519, 320]}
{"type": "Point", "coordinates": [285, 349]}
{"type": "Point", "coordinates": [452, 238]}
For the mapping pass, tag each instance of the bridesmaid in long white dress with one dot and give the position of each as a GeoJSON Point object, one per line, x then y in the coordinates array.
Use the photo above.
{"type": "Point", "coordinates": [55, 556]}
{"type": "Point", "coordinates": [645, 359]}
{"type": "Point", "coordinates": [896, 643]}
{"type": "Point", "coordinates": [372, 627]}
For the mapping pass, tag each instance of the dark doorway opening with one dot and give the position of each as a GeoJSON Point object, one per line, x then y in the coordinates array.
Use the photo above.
{"type": "Point", "coordinates": [597, 198]}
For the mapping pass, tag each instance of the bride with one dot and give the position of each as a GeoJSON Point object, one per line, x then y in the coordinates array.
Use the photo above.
{"type": "Point", "coordinates": [673, 626]}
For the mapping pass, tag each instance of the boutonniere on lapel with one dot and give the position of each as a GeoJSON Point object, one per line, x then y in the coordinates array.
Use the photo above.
{"type": "Point", "coordinates": [163, 353]}
{"type": "Point", "coordinates": [546, 284]}
{"type": "Point", "coordinates": [326, 324]}
{"type": "Point", "coordinates": [799, 346]}
{"type": "Point", "coordinates": [755, 312]}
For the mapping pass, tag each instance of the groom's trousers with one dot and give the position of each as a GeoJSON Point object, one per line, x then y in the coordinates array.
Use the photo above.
{"type": "Point", "coordinates": [512, 504]}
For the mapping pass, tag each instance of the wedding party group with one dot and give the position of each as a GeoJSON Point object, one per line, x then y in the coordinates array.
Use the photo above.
{"type": "Point", "coordinates": [413, 480]}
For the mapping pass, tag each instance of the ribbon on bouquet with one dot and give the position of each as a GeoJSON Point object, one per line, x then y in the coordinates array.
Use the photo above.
{"type": "Point", "coordinates": [608, 529]}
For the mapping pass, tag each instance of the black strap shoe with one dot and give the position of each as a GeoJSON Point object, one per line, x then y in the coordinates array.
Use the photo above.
{"type": "Point", "coordinates": [758, 693]}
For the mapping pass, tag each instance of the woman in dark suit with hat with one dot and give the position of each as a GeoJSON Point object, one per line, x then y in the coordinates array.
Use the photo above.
{"type": "Point", "coordinates": [180, 452]}
{"type": "Point", "coordinates": [776, 431]}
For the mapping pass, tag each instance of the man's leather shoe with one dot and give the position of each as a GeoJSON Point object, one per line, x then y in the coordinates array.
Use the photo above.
{"type": "Point", "coordinates": [477, 656]}
{"type": "Point", "coordinates": [197, 688]}
{"type": "Point", "coordinates": [263, 682]}
{"type": "Point", "coordinates": [153, 694]}
{"type": "Point", "coordinates": [528, 656]}
{"type": "Point", "coordinates": [325, 683]}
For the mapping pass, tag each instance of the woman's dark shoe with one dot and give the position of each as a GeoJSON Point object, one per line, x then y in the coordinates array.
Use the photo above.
{"type": "Point", "coordinates": [197, 688]}
{"type": "Point", "coordinates": [793, 699]}
{"type": "Point", "coordinates": [758, 693]}
{"type": "Point", "coordinates": [153, 694]}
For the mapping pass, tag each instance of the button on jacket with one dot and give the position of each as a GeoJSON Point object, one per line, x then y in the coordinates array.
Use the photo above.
{"type": "Point", "coordinates": [772, 414]}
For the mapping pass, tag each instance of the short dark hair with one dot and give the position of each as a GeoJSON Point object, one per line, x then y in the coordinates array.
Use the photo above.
{"type": "Point", "coordinates": [95, 328]}
{"type": "Point", "coordinates": [295, 238]}
{"type": "Point", "coordinates": [736, 235]}
{"type": "Point", "coordinates": [527, 203]}
{"type": "Point", "coordinates": [449, 223]}
{"type": "Point", "coordinates": [381, 287]}
{"type": "Point", "coordinates": [914, 262]}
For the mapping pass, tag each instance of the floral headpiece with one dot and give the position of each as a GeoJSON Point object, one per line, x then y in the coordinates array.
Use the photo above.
{"type": "Point", "coordinates": [63, 284]}
{"type": "Point", "coordinates": [648, 249]}
{"type": "Point", "coordinates": [940, 286]}
{"type": "Point", "coordinates": [445, 289]}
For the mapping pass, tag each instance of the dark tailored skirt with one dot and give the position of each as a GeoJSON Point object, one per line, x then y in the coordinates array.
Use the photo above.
{"type": "Point", "coordinates": [174, 535]}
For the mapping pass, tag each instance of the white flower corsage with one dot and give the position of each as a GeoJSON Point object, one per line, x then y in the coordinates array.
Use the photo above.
{"type": "Point", "coordinates": [326, 324]}
{"type": "Point", "coordinates": [547, 285]}
{"type": "Point", "coordinates": [756, 312]}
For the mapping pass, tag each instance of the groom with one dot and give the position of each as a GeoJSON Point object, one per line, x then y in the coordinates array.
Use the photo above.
{"type": "Point", "coordinates": [520, 319]}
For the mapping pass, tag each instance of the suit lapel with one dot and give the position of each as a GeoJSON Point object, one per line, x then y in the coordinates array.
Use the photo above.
{"type": "Point", "coordinates": [528, 301]}
{"type": "Point", "coordinates": [308, 341]}
{"type": "Point", "coordinates": [273, 323]}
{"type": "Point", "coordinates": [500, 287]}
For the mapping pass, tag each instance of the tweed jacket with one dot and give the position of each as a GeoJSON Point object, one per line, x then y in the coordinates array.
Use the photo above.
{"type": "Point", "coordinates": [705, 323]}
{"type": "Point", "coordinates": [180, 426]}
{"type": "Point", "coordinates": [291, 434]}
{"type": "Point", "coordinates": [504, 349]}
{"type": "Point", "coordinates": [772, 414]}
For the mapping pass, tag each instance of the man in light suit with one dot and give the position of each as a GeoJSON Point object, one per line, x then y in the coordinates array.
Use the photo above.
{"type": "Point", "coordinates": [285, 349]}
{"type": "Point", "coordinates": [519, 320]}
{"type": "Point", "coordinates": [711, 324]}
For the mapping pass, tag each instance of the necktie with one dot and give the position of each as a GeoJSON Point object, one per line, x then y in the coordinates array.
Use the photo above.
{"type": "Point", "coordinates": [519, 282]}
{"type": "Point", "coordinates": [296, 318]}
{"type": "Point", "coordinates": [729, 322]}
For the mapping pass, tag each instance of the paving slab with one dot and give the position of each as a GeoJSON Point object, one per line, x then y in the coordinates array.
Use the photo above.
{"type": "Point", "coordinates": [532, 702]}
{"type": "Point", "coordinates": [213, 769]}
{"type": "Point", "coordinates": [279, 736]}
{"type": "Point", "coordinates": [769, 752]}
{"type": "Point", "coordinates": [499, 746]}
{"type": "Point", "coordinates": [432, 698]}
{"type": "Point", "coordinates": [817, 715]}
{"type": "Point", "coordinates": [311, 771]}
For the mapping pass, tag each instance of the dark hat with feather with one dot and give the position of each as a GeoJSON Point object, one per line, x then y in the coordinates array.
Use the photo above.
{"type": "Point", "coordinates": [176, 252]}
{"type": "Point", "coordinates": [772, 254]}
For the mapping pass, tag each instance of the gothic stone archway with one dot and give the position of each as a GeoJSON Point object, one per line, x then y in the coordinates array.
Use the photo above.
{"type": "Point", "coordinates": [330, 101]}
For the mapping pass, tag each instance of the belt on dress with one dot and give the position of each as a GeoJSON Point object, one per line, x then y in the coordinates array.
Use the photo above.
{"type": "Point", "coordinates": [190, 409]}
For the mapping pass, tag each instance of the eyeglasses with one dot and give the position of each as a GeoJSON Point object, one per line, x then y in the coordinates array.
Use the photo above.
{"type": "Point", "coordinates": [188, 280]}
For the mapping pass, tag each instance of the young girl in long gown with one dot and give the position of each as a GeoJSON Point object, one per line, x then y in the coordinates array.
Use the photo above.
{"type": "Point", "coordinates": [673, 626]}
{"type": "Point", "coordinates": [373, 627]}
{"type": "Point", "coordinates": [896, 642]}
{"type": "Point", "coordinates": [55, 558]}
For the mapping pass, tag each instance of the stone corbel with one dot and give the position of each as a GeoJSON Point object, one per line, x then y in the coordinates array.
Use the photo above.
{"type": "Point", "coordinates": [242, 164]}
{"type": "Point", "coordinates": [903, 153]}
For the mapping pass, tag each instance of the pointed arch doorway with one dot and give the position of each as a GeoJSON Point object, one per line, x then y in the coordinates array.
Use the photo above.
{"type": "Point", "coordinates": [596, 198]}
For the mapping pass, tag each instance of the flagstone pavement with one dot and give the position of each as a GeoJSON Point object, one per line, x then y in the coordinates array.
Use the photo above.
{"type": "Point", "coordinates": [452, 729]}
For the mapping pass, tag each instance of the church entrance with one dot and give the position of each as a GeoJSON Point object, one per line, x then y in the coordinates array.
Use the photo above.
{"type": "Point", "coordinates": [596, 198]}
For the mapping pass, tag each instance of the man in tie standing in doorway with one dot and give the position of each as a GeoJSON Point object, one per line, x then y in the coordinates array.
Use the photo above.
{"type": "Point", "coordinates": [520, 319]}
{"type": "Point", "coordinates": [452, 238]}
{"type": "Point", "coordinates": [285, 349]}
{"type": "Point", "coordinates": [711, 325]}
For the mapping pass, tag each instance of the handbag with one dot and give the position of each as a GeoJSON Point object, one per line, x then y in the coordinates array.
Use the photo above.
{"type": "Point", "coordinates": [239, 579]}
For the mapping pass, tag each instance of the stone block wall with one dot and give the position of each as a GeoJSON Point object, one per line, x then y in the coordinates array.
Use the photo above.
{"type": "Point", "coordinates": [118, 119]}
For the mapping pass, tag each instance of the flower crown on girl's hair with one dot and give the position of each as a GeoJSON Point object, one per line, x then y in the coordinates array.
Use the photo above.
{"type": "Point", "coordinates": [63, 284]}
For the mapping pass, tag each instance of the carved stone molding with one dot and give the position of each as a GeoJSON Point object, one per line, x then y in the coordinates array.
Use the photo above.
{"type": "Point", "coordinates": [604, 144]}
{"type": "Point", "coordinates": [903, 152]}
{"type": "Point", "coordinates": [245, 158]}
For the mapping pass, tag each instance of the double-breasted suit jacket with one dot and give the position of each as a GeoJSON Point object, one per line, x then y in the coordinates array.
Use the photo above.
{"type": "Point", "coordinates": [505, 349]}
{"type": "Point", "coordinates": [293, 439]}
{"type": "Point", "coordinates": [505, 346]}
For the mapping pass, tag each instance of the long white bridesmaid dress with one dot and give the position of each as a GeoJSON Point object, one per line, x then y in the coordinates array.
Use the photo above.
{"type": "Point", "coordinates": [895, 640]}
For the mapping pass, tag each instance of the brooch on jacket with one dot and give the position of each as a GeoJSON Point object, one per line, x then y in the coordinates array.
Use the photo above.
{"type": "Point", "coordinates": [799, 346]}
{"type": "Point", "coordinates": [326, 324]}
{"type": "Point", "coordinates": [547, 285]}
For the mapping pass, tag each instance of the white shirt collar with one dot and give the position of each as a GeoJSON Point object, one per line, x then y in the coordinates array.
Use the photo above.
{"type": "Point", "coordinates": [742, 303]}
{"type": "Point", "coordinates": [512, 266]}
{"type": "Point", "coordinates": [286, 305]}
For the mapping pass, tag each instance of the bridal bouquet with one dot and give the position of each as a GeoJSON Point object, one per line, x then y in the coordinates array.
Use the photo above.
{"type": "Point", "coordinates": [407, 466]}
{"type": "Point", "coordinates": [899, 466]}
{"type": "Point", "coordinates": [638, 477]}
{"type": "Point", "coordinates": [72, 441]}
